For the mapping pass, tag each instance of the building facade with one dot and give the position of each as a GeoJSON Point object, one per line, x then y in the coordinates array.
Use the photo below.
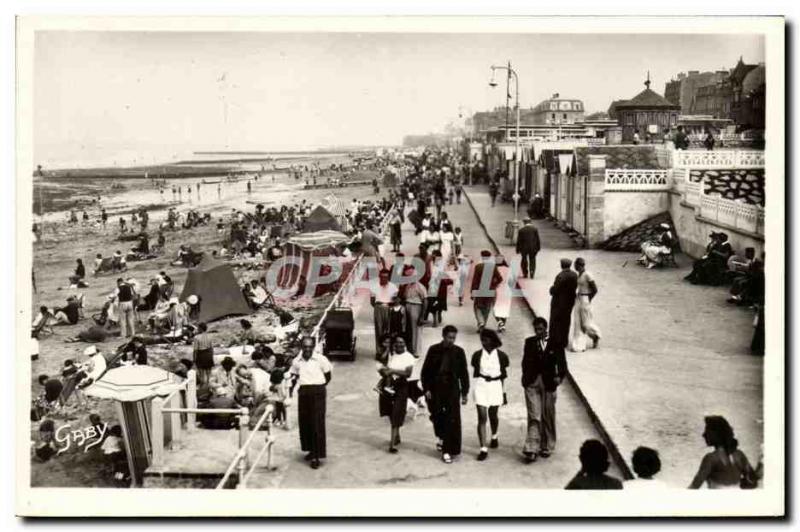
{"type": "Point", "coordinates": [736, 95]}
{"type": "Point", "coordinates": [555, 110]}
{"type": "Point", "coordinates": [683, 90]}
{"type": "Point", "coordinates": [647, 114]}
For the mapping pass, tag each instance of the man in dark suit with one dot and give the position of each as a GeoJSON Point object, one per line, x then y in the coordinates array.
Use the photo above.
{"type": "Point", "coordinates": [445, 381]}
{"type": "Point", "coordinates": [562, 300]}
{"type": "Point", "coordinates": [544, 366]}
{"type": "Point", "coordinates": [528, 245]}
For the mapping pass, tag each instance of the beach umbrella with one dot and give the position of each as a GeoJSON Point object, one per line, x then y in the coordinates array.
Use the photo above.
{"type": "Point", "coordinates": [134, 383]}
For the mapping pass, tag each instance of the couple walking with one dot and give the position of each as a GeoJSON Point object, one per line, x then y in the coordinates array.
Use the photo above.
{"type": "Point", "coordinates": [571, 320]}
{"type": "Point", "coordinates": [446, 384]}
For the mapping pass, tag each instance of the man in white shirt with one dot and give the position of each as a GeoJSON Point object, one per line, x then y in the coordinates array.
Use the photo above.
{"type": "Point", "coordinates": [312, 372]}
{"type": "Point", "coordinates": [381, 299]}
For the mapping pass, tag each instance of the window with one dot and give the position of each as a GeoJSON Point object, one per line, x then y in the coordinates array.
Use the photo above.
{"type": "Point", "coordinates": [565, 116]}
{"type": "Point", "coordinates": [553, 116]}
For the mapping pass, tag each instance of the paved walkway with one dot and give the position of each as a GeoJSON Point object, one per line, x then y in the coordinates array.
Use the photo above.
{"type": "Point", "coordinates": [358, 438]}
{"type": "Point", "coordinates": [671, 352]}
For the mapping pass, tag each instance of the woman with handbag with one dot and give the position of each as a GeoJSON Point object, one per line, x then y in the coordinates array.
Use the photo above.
{"type": "Point", "coordinates": [490, 369]}
{"type": "Point", "coordinates": [395, 369]}
{"type": "Point", "coordinates": [726, 466]}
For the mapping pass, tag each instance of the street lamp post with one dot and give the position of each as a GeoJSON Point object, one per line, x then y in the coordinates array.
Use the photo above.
{"type": "Point", "coordinates": [517, 157]}
{"type": "Point", "coordinates": [470, 162]}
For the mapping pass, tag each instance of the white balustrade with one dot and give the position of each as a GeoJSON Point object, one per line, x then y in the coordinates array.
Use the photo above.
{"type": "Point", "coordinates": [718, 159]}
{"type": "Point", "coordinates": [732, 213]}
{"type": "Point", "coordinates": [750, 159]}
{"type": "Point", "coordinates": [645, 180]}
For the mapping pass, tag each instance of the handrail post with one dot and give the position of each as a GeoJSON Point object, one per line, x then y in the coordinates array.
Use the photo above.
{"type": "Point", "coordinates": [191, 399]}
{"type": "Point", "coordinates": [175, 420]}
{"type": "Point", "coordinates": [157, 431]}
{"type": "Point", "coordinates": [244, 428]}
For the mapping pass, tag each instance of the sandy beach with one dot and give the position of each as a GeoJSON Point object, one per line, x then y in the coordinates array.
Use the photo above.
{"type": "Point", "coordinates": [61, 244]}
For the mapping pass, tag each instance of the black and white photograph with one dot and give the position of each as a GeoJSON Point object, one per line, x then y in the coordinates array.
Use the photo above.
{"type": "Point", "coordinates": [402, 267]}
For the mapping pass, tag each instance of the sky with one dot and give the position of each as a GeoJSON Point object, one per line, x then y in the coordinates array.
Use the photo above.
{"type": "Point", "coordinates": [162, 92]}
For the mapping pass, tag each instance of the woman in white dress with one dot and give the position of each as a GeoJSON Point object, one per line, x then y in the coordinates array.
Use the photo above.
{"type": "Point", "coordinates": [434, 239]}
{"type": "Point", "coordinates": [490, 367]}
{"type": "Point", "coordinates": [446, 237]}
{"type": "Point", "coordinates": [502, 303]}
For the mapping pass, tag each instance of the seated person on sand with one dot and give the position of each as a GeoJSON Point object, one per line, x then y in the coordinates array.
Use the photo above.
{"type": "Point", "coordinates": [149, 301]}
{"type": "Point", "coordinates": [162, 241]}
{"type": "Point", "coordinates": [275, 251]}
{"type": "Point", "coordinates": [654, 251]}
{"type": "Point", "coordinates": [165, 284]}
{"type": "Point", "coordinates": [95, 334]}
{"type": "Point", "coordinates": [223, 378]}
{"type": "Point", "coordinates": [142, 249]}
{"type": "Point", "coordinates": [183, 256]}
{"type": "Point", "coordinates": [258, 296]}
{"type": "Point", "coordinates": [134, 352]}
{"type": "Point", "coordinates": [69, 314]}
{"type": "Point", "coordinates": [191, 308]}
{"type": "Point", "coordinates": [109, 314]}
{"type": "Point", "coordinates": [118, 263]}
{"type": "Point", "coordinates": [247, 335]}
{"type": "Point", "coordinates": [45, 449]}
{"type": "Point", "coordinates": [76, 279]}
{"type": "Point", "coordinates": [264, 358]}
{"type": "Point", "coordinates": [257, 378]}
{"type": "Point", "coordinates": [168, 318]}
{"type": "Point", "coordinates": [48, 399]}
{"type": "Point", "coordinates": [97, 267]}
{"type": "Point", "coordinates": [43, 320]}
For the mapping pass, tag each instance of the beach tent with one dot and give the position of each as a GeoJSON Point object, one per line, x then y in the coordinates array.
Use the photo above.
{"type": "Point", "coordinates": [321, 219]}
{"type": "Point", "coordinates": [304, 246]}
{"type": "Point", "coordinates": [220, 295]}
{"type": "Point", "coordinates": [337, 208]}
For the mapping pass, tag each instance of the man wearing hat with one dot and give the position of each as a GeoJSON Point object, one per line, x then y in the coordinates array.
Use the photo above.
{"type": "Point", "coordinates": [528, 245]}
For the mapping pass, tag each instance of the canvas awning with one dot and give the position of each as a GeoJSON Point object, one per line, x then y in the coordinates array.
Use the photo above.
{"type": "Point", "coordinates": [318, 239]}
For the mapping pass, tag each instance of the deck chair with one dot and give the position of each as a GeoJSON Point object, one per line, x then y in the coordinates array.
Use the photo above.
{"type": "Point", "coordinates": [669, 259]}
{"type": "Point", "coordinates": [105, 266]}
{"type": "Point", "coordinates": [44, 325]}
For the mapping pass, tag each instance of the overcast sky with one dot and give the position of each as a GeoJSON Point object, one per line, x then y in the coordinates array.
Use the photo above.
{"type": "Point", "coordinates": [297, 90]}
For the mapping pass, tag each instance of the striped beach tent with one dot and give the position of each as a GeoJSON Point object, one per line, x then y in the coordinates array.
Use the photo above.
{"type": "Point", "coordinates": [305, 246]}
{"type": "Point", "coordinates": [336, 207]}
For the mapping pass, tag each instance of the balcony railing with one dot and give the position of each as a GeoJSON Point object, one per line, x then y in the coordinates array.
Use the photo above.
{"type": "Point", "coordinates": [718, 159]}
{"type": "Point", "coordinates": [631, 180]}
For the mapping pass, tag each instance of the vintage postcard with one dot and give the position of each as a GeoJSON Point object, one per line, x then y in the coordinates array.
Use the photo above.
{"type": "Point", "coordinates": [400, 266]}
